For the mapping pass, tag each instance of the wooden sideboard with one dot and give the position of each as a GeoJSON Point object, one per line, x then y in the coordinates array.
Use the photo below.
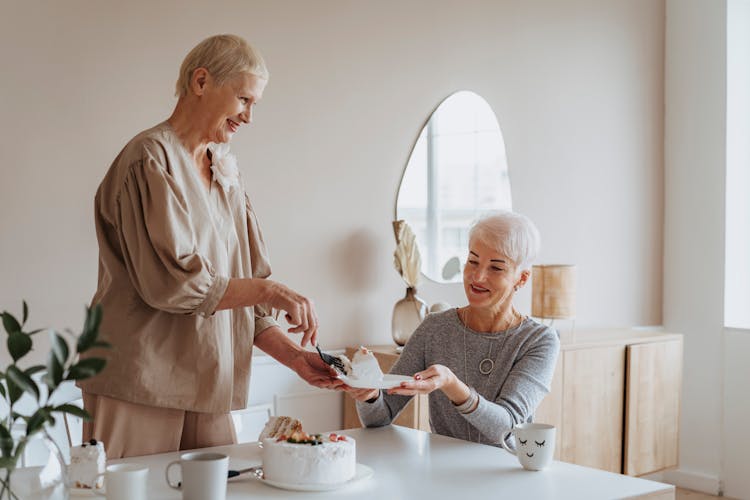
{"type": "Point", "coordinates": [615, 400]}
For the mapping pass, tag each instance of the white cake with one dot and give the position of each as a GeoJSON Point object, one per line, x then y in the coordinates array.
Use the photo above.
{"type": "Point", "coordinates": [86, 462]}
{"type": "Point", "coordinates": [326, 460]}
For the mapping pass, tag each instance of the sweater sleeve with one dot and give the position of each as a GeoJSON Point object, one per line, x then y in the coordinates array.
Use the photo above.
{"type": "Point", "coordinates": [261, 266]}
{"type": "Point", "coordinates": [157, 238]}
{"type": "Point", "coordinates": [526, 385]}
{"type": "Point", "coordinates": [387, 407]}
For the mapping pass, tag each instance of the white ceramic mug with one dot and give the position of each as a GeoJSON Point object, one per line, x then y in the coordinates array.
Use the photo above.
{"type": "Point", "coordinates": [535, 445]}
{"type": "Point", "coordinates": [124, 482]}
{"type": "Point", "coordinates": [204, 475]}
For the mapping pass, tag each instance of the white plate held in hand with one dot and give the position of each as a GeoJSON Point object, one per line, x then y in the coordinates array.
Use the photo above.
{"type": "Point", "coordinates": [388, 382]}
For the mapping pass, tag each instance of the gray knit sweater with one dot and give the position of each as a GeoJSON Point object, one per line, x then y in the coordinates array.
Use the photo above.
{"type": "Point", "coordinates": [524, 358]}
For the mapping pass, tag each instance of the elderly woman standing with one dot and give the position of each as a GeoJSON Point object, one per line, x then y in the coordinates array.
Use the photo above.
{"type": "Point", "coordinates": [485, 366]}
{"type": "Point", "coordinates": [183, 271]}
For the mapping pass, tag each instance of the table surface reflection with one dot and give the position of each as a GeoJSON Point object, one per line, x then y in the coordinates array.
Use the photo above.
{"type": "Point", "coordinates": [410, 464]}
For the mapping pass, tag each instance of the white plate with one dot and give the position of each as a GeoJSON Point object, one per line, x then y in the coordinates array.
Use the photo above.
{"type": "Point", "coordinates": [362, 472]}
{"type": "Point", "coordinates": [389, 382]}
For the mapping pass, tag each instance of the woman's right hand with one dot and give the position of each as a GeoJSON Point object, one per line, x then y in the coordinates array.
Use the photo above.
{"type": "Point", "coordinates": [299, 310]}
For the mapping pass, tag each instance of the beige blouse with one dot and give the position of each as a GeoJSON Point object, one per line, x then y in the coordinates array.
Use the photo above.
{"type": "Point", "coordinates": [167, 249]}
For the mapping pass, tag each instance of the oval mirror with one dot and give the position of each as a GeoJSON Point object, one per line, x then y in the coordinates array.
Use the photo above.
{"type": "Point", "coordinates": [456, 171]}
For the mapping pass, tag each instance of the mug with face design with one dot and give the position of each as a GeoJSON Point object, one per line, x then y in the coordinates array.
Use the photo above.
{"type": "Point", "coordinates": [535, 445]}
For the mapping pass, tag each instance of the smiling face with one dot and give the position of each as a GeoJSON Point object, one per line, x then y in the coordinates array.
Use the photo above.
{"type": "Point", "coordinates": [226, 107]}
{"type": "Point", "coordinates": [489, 277]}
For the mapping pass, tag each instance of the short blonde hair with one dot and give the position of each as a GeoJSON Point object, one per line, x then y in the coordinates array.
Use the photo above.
{"type": "Point", "coordinates": [510, 233]}
{"type": "Point", "coordinates": [224, 57]}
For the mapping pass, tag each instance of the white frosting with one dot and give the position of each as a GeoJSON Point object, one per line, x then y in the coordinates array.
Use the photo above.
{"type": "Point", "coordinates": [292, 463]}
{"type": "Point", "coordinates": [365, 366]}
{"type": "Point", "coordinates": [86, 461]}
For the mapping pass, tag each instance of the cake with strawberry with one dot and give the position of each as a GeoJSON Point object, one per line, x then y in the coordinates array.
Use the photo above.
{"type": "Point", "coordinates": [300, 458]}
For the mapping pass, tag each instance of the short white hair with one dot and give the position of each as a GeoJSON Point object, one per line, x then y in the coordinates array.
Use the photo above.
{"type": "Point", "coordinates": [510, 233]}
{"type": "Point", "coordinates": [224, 57]}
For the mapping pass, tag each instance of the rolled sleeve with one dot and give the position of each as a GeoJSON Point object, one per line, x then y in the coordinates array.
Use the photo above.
{"type": "Point", "coordinates": [264, 323]}
{"type": "Point", "coordinates": [216, 292]}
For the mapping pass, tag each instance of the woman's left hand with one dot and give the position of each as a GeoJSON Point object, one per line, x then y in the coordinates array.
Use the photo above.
{"type": "Point", "coordinates": [433, 378]}
{"type": "Point", "coordinates": [314, 371]}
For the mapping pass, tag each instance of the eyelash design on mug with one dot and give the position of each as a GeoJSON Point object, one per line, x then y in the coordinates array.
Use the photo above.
{"type": "Point", "coordinates": [540, 444]}
{"type": "Point", "coordinates": [523, 443]}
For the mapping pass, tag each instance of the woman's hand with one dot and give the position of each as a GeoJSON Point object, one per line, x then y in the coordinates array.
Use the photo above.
{"type": "Point", "coordinates": [314, 371]}
{"type": "Point", "coordinates": [433, 378]}
{"type": "Point", "coordinates": [300, 311]}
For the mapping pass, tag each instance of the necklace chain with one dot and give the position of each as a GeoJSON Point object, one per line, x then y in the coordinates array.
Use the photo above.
{"type": "Point", "coordinates": [487, 365]}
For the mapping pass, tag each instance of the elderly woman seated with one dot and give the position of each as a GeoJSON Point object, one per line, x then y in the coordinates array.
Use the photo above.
{"type": "Point", "coordinates": [485, 366]}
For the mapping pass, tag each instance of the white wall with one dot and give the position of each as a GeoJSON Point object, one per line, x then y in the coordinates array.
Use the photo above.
{"type": "Point", "coordinates": [576, 85]}
{"type": "Point", "coordinates": [698, 146]}
{"type": "Point", "coordinates": [695, 83]}
{"type": "Point", "coordinates": [736, 372]}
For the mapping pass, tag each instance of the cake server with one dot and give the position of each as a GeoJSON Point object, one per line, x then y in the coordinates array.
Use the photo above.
{"type": "Point", "coordinates": [257, 470]}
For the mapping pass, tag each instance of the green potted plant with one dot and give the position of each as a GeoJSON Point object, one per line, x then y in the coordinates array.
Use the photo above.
{"type": "Point", "coordinates": [40, 383]}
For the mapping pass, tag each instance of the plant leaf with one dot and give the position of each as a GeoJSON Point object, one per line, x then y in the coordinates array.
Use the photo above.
{"type": "Point", "coordinates": [25, 312]}
{"type": "Point", "coordinates": [86, 368]}
{"type": "Point", "coordinates": [74, 410]}
{"type": "Point", "coordinates": [59, 347]}
{"type": "Point", "coordinates": [102, 344]}
{"type": "Point", "coordinates": [6, 441]}
{"type": "Point", "coordinates": [23, 381]}
{"type": "Point", "coordinates": [36, 331]}
{"type": "Point", "coordinates": [10, 323]}
{"type": "Point", "coordinates": [90, 328]}
{"type": "Point", "coordinates": [2, 391]}
{"type": "Point", "coordinates": [54, 374]}
{"type": "Point", "coordinates": [34, 369]}
{"type": "Point", "coordinates": [19, 344]}
{"type": "Point", "coordinates": [14, 391]}
{"type": "Point", "coordinates": [36, 422]}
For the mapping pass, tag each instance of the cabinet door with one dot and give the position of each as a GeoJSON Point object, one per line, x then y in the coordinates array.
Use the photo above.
{"type": "Point", "coordinates": [652, 418]}
{"type": "Point", "coordinates": [550, 409]}
{"type": "Point", "coordinates": [593, 390]}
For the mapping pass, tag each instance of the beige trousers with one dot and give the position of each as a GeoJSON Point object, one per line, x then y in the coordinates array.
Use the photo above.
{"type": "Point", "coordinates": [129, 429]}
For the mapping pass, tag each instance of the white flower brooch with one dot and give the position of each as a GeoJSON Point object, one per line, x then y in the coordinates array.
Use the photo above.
{"type": "Point", "coordinates": [224, 166]}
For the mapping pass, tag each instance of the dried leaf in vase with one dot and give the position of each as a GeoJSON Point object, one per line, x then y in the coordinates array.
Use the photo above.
{"type": "Point", "coordinates": [406, 257]}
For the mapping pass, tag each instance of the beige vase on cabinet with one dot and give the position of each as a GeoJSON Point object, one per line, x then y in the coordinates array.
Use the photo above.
{"type": "Point", "coordinates": [408, 313]}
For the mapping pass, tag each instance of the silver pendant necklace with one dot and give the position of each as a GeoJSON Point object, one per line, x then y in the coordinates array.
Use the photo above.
{"type": "Point", "coordinates": [485, 366]}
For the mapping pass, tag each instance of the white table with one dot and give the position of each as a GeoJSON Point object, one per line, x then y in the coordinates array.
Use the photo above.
{"type": "Point", "coordinates": [412, 464]}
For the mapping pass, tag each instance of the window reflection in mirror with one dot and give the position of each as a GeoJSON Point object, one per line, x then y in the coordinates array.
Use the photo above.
{"type": "Point", "coordinates": [456, 171]}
